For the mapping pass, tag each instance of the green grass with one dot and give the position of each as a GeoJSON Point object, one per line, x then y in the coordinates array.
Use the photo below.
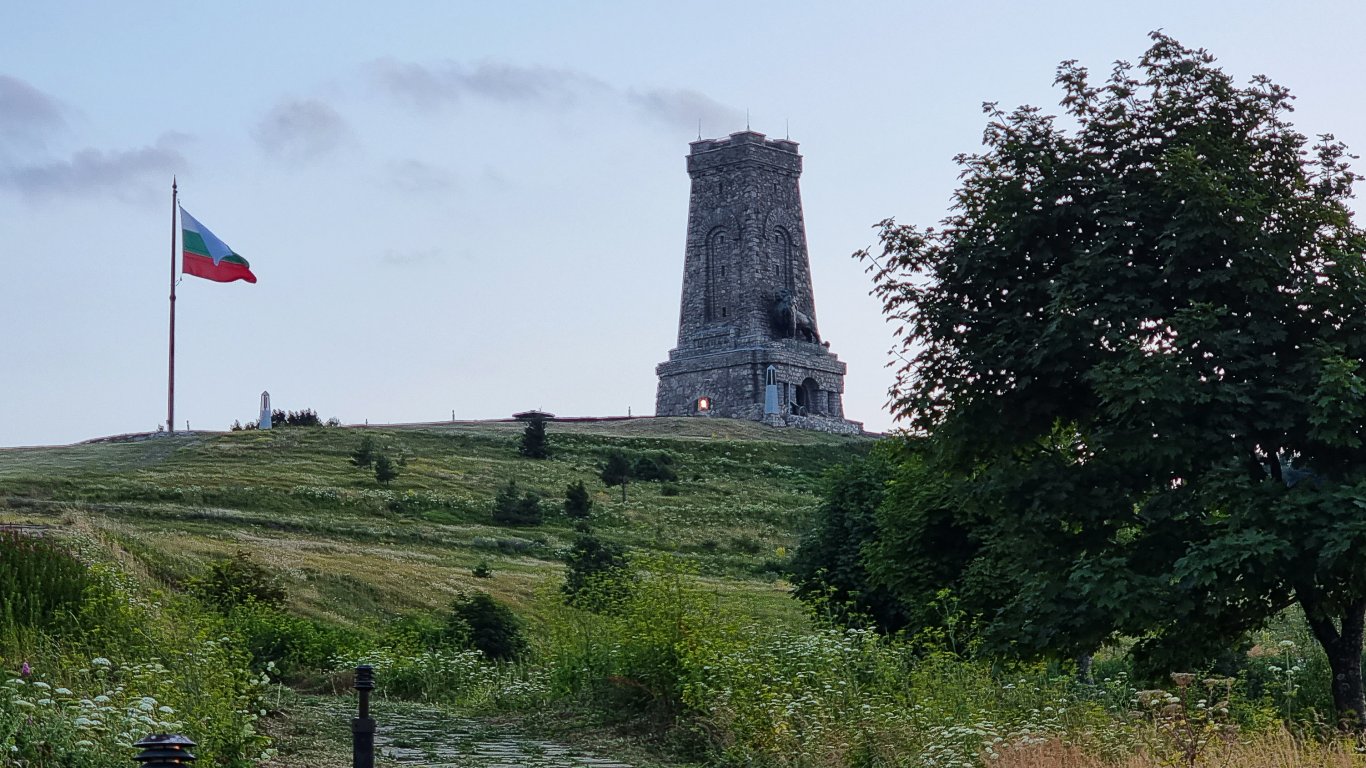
{"type": "Point", "coordinates": [354, 553]}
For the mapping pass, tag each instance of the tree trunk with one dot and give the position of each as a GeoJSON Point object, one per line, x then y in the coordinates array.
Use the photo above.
{"type": "Point", "coordinates": [1343, 647]}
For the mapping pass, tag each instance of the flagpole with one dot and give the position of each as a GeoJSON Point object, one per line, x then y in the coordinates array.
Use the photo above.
{"type": "Point", "coordinates": [170, 375]}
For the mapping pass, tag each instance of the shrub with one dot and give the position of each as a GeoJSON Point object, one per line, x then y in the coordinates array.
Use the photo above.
{"type": "Point", "coordinates": [511, 509]}
{"type": "Point", "coordinates": [577, 504]}
{"type": "Point", "coordinates": [634, 660]}
{"type": "Point", "coordinates": [305, 418]}
{"type": "Point", "coordinates": [487, 626]}
{"type": "Point", "coordinates": [295, 645]}
{"type": "Point", "coordinates": [828, 570]}
{"type": "Point", "coordinates": [131, 663]}
{"type": "Point", "coordinates": [595, 577]}
{"type": "Point", "coordinates": [654, 467]}
{"type": "Point", "coordinates": [481, 570]}
{"type": "Point", "coordinates": [237, 580]}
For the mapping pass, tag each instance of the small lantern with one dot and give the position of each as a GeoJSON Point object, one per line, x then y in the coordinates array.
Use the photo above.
{"type": "Point", "coordinates": [703, 404]}
{"type": "Point", "coordinates": [162, 750]}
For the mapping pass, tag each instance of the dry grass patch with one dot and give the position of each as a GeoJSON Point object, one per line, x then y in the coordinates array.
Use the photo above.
{"type": "Point", "coordinates": [1274, 749]}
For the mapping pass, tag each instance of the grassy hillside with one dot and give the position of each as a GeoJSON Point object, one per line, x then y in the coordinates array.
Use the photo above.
{"type": "Point", "coordinates": [721, 668]}
{"type": "Point", "coordinates": [353, 552]}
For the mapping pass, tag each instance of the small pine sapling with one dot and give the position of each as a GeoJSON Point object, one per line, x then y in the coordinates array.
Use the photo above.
{"type": "Point", "coordinates": [577, 504]}
{"type": "Point", "coordinates": [385, 470]}
{"type": "Point", "coordinates": [617, 471]}
{"type": "Point", "coordinates": [364, 455]}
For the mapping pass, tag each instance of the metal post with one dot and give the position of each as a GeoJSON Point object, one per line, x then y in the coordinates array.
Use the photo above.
{"type": "Point", "coordinates": [363, 727]}
{"type": "Point", "coordinates": [170, 366]}
{"type": "Point", "coordinates": [164, 750]}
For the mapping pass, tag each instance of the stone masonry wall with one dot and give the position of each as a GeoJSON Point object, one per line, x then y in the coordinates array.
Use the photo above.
{"type": "Point", "coordinates": [747, 301]}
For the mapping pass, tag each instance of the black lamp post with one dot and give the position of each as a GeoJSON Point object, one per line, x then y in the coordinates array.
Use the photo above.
{"type": "Point", "coordinates": [363, 727]}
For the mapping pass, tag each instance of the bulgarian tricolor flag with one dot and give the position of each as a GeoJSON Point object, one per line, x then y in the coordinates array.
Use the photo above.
{"type": "Point", "coordinates": [208, 257]}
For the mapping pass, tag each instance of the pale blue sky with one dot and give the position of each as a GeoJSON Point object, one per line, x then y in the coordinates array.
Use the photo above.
{"type": "Point", "coordinates": [408, 178]}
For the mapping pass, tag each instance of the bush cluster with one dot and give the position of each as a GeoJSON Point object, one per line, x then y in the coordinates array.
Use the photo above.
{"type": "Point", "coordinates": [513, 508]}
{"type": "Point", "coordinates": [237, 580]}
{"type": "Point", "coordinates": [368, 456]}
{"type": "Point", "coordinates": [595, 574]}
{"type": "Point", "coordinates": [281, 419]}
{"type": "Point", "coordinates": [620, 468]}
{"type": "Point", "coordinates": [76, 694]}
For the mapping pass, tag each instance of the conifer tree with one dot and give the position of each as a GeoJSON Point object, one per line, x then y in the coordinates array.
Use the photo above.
{"type": "Point", "coordinates": [617, 471]}
{"type": "Point", "coordinates": [577, 504]}
{"type": "Point", "coordinates": [534, 444]}
{"type": "Point", "coordinates": [385, 470]}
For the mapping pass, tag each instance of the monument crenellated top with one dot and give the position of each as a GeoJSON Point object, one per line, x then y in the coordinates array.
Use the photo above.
{"type": "Point", "coordinates": [744, 147]}
{"type": "Point", "coordinates": [740, 138]}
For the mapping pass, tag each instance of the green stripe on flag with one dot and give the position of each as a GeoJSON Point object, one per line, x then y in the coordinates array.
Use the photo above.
{"type": "Point", "coordinates": [194, 242]}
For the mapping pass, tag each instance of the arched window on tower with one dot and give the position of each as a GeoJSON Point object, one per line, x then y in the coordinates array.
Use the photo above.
{"type": "Point", "coordinates": [780, 256]}
{"type": "Point", "coordinates": [718, 251]}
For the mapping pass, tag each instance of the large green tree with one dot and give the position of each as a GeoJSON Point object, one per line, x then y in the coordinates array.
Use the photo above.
{"type": "Point", "coordinates": [1138, 352]}
{"type": "Point", "coordinates": [828, 569]}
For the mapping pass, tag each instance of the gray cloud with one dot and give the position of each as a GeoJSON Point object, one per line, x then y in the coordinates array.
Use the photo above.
{"type": "Point", "coordinates": [683, 108]}
{"type": "Point", "coordinates": [448, 83]}
{"type": "Point", "coordinates": [301, 130]}
{"type": "Point", "coordinates": [27, 115]}
{"type": "Point", "coordinates": [128, 174]}
{"type": "Point", "coordinates": [419, 178]}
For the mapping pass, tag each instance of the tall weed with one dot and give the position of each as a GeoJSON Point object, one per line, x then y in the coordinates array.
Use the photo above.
{"type": "Point", "coordinates": [41, 585]}
{"type": "Point", "coordinates": [129, 663]}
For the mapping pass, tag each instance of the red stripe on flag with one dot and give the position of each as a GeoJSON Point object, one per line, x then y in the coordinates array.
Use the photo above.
{"type": "Point", "coordinates": [224, 272]}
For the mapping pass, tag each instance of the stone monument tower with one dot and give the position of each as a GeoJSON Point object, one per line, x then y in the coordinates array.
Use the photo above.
{"type": "Point", "coordinates": [748, 343]}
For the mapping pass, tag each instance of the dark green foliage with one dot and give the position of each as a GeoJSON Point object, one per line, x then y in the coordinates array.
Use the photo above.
{"type": "Point", "coordinates": [512, 508]}
{"type": "Point", "coordinates": [482, 570]}
{"type": "Point", "coordinates": [41, 585]}
{"type": "Point", "coordinates": [669, 489]}
{"type": "Point", "coordinates": [595, 573]}
{"type": "Point", "coordinates": [657, 466]}
{"type": "Point", "coordinates": [364, 455]}
{"type": "Point", "coordinates": [616, 470]}
{"type": "Point", "coordinates": [534, 444]}
{"type": "Point", "coordinates": [385, 470]}
{"type": "Point", "coordinates": [305, 418]}
{"type": "Point", "coordinates": [828, 571]}
{"type": "Point", "coordinates": [577, 503]}
{"type": "Point", "coordinates": [487, 626]}
{"type": "Point", "coordinates": [1135, 350]}
{"type": "Point", "coordinates": [237, 580]}
{"type": "Point", "coordinates": [296, 645]}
